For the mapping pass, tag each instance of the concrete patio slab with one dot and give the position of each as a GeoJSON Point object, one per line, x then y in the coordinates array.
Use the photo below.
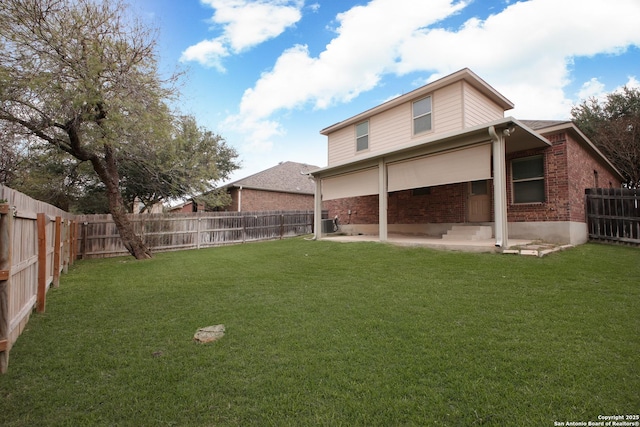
{"type": "Point", "coordinates": [516, 246]}
{"type": "Point", "coordinates": [484, 245]}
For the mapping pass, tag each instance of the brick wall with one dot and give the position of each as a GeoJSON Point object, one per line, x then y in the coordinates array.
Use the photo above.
{"type": "Point", "coordinates": [260, 200]}
{"type": "Point", "coordinates": [354, 210]}
{"type": "Point", "coordinates": [568, 171]}
{"type": "Point", "coordinates": [585, 172]}
{"type": "Point", "coordinates": [443, 204]}
{"type": "Point", "coordinates": [189, 208]}
{"type": "Point", "coordinates": [556, 205]}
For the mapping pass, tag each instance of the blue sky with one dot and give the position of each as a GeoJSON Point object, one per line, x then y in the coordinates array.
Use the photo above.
{"type": "Point", "coordinates": [268, 75]}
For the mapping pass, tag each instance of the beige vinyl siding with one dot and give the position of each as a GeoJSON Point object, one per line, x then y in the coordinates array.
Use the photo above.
{"type": "Point", "coordinates": [391, 128]}
{"type": "Point", "coordinates": [455, 107]}
{"type": "Point", "coordinates": [394, 128]}
{"type": "Point", "coordinates": [447, 109]}
{"type": "Point", "coordinates": [342, 145]}
{"type": "Point", "coordinates": [477, 108]}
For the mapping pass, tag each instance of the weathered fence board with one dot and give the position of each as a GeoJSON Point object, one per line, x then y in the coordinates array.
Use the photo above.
{"type": "Point", "coordinates": [32, 255]}
{"type": "Point", "coordinates": [170, 232]}
{"type": "Point", "coordinates": [613, 214]}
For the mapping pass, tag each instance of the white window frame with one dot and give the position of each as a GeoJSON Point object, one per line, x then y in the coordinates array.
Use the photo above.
{"type": "Point", "coordinates": [359, 137]}
{"type": "Point", "coordinates": [530, 179]}
{"type": "Point", "coordinates": [415, 117]}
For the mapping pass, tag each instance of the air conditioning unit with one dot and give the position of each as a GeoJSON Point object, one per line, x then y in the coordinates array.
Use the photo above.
{"type": "Point", "coordinates": [327, 226]}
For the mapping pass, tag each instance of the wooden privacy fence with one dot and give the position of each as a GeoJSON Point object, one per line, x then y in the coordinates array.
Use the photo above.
{"type": "Point", "coordinates": [99, 238]}
{"type": "Point", "coordinates": [613, 214]}
{"type": "Point", "coordinates": [35, 247]}
{"type": "Point", "coordinates": [38, 242]}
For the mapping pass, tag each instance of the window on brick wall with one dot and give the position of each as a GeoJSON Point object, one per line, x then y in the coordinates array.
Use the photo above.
{"type": "Point", "coordinates": [362, 136]}
{"type": "Point", "coordinates": [527, 178]}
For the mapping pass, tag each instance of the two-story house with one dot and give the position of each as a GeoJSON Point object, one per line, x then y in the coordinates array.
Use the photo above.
{"type": "Point", "coordinates": [445, 154]}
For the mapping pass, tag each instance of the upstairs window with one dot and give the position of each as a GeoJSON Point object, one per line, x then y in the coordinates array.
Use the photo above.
{"type": "Point", "coordinates": [422, 115]}
{"type": "Point", "coordinates": [362, 136]}
{"type": "Point", "coordinates": [527, 176]}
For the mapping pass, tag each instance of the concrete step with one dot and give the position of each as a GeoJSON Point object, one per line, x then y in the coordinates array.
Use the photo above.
{"type": "Point", "coordinates": [468, 232]}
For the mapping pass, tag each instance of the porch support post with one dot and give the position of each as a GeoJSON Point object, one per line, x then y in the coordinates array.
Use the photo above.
{"type": "Point", "coordinates": [382, 200]}
{"type": "Point", "coordinates": [317, 210]}
{"type": "Point", "coordinates": [499, 188]}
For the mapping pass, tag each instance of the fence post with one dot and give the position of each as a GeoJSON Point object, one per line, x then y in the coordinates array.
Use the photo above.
{"type": "Point", "coordinates": [74, 242]}
{"type": "Point", "coordinates": [66, 245]}
{"type": "Point", "coordinates": [6, 225]}
{"type": "Point", "coordinates": [85, 237]}
{"type": "Point", "coordinates": [42, 262]}
{"type": "Point", "coordinates": [198, 233]}
{"type": "Point", "coordinates": [281, 226]}
{"type": "Point", "coordinates": [57, 240]}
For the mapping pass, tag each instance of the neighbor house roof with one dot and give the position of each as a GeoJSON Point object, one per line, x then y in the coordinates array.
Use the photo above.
{"type": "Point", "coordinates": [541, 124]}
{"type": "Point", "coordinates": [287, 177]}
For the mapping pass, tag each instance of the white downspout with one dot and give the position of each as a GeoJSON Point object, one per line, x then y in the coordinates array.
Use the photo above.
{"type": "Point", "coordinates": [382, 201]}
{"type": "Point", "coordinates": [499, 188]}
{"type": "Point", "coordinates": [240, 199]}
{"type": "Point", "coordinates": [317, 210]}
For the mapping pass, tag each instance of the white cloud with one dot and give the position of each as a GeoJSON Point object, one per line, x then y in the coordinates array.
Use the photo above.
{"type": "Point", "coordinates": [363, 51]}
{"type": "Point", "coordinates": [633, 83]}
{"type": "Point", "coordinates": [524, 51]}
{"type": "Point", "coordinates": [258, 133]}
{"type": "Point", "coordinates": [207, 52]}
{"type": "Point", "coordinates": [592, 89]}
{"type": "Point", "coordinates": [596, 89]}
{"type": "Point", "coordinates": [352, 63]}
{"type": "Point", "coordinates": [245, 24]}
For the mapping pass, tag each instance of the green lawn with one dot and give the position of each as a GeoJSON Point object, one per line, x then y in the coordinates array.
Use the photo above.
{"type": "Point", "coordinates": [330, 334]}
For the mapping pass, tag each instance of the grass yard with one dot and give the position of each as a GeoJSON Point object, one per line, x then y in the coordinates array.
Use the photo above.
{"type": "Point", "coordinates": [333, 334]}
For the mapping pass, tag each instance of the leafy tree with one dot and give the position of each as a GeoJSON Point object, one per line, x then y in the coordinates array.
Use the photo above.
{"type": "Point", "coordinates": [53, 176]}
{"type": "Point", "coordinates": [186, 164]}
{"type": "Point", "coordinates": [10, 154]}
{"type": "Point", "coordinates": [613, 125]}
{"type": "Point", "coordinates": [81, 75]}
{"type": "Point", "coordinates": [189, 163]}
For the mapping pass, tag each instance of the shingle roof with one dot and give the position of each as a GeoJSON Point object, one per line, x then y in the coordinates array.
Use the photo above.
{"type": "Point", "coordinates": [541, 124]}
{"type": "Point", "coordinates": [286, 177]}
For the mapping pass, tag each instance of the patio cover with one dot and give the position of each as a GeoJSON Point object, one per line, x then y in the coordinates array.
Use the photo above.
{"type": "Point", "coordinates": [460, 156]}
{"type": "Point", "coordinates": [461, 165]}
{"type": "Point", "coordinates": [363, 182]}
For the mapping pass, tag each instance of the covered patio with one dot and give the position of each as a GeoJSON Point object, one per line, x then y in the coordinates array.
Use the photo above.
{"type": "Point", "coordinates": [469, 155]}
